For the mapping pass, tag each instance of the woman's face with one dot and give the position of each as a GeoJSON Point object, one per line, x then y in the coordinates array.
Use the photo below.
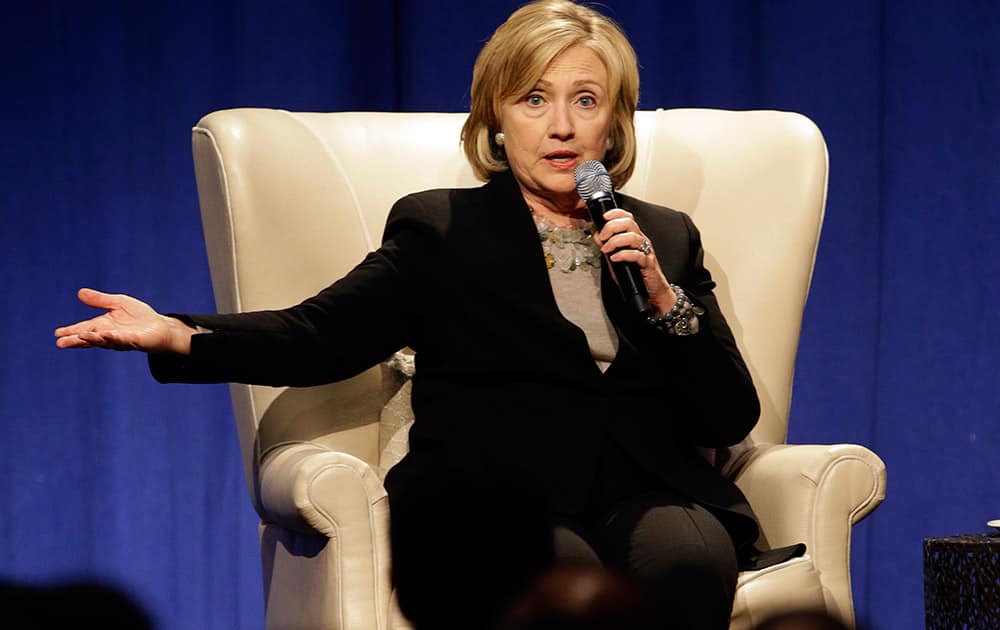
{"type": "Point", "coordinates": [562, 122]}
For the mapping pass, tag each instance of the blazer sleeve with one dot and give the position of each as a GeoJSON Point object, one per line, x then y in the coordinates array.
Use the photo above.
{"type": "Point", "coordinates": [714, 388]}
{"type": "Point", "coordinates": [346, 328]}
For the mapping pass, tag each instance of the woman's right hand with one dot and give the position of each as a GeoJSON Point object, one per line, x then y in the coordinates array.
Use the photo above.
{"type": "Point", "coordinates": [128, 324]}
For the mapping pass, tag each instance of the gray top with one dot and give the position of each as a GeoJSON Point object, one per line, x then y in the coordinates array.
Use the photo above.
{"type": "Point", "coordinates": [575, 274]}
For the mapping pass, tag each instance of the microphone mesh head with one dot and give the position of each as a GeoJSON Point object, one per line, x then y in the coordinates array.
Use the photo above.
{"type": "Point", "coordinates": [592, 178]}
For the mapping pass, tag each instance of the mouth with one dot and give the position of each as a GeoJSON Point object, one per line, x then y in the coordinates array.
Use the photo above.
{"type": "Point", "coordinates": [561, 159]}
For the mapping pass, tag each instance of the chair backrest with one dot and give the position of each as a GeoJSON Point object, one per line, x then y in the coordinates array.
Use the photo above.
{"type": "Point", "coordinates": [292, 201]}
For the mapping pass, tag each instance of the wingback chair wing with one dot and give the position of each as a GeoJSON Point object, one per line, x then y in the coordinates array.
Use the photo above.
{"type": "Point", "coordinates": [292, 201]}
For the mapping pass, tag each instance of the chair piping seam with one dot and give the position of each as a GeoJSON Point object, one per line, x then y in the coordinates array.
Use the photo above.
{"type": "Point", "coordinates": [333, 522]}
{"type": "Point", "coordinates": [850, 521]}
{"type": "Point", "coordinates": [339, 167]}
{"type": "Point", "coordinates": [237, 296]}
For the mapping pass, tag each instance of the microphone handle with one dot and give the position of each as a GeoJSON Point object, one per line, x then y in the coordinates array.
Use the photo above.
{"type": "Point", "coordinates": [627, 273]}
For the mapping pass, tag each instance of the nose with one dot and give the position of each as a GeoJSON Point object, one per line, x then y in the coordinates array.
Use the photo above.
{"type": "Point", "coordinates": [561, 123]}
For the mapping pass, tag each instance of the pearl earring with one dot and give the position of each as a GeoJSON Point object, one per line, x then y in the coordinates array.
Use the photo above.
{"type": "Point", "coordinates": [499, 138]}
{"type": "Point", "coordinates": [609, 144]}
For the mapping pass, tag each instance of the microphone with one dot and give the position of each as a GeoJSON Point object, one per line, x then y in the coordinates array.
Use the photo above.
{"type": "Point", "coordinates": [594, 186]}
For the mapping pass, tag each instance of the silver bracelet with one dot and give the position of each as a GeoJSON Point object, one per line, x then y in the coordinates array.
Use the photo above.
{"type": "Point", "coordinates": [679, 320]}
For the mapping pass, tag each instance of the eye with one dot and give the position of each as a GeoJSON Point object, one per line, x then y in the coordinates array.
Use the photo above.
{"type": "Point", "coordinates": [588, 101]}
{"type": "Point", "coordinates": [534, 100]}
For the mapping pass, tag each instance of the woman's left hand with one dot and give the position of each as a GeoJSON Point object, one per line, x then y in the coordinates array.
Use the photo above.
{"type": "Point", "coordinates": [622, 233]}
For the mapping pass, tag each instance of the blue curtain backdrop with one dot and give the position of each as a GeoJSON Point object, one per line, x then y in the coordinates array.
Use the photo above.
{"type": "Point", "coordinates": [105, 475]}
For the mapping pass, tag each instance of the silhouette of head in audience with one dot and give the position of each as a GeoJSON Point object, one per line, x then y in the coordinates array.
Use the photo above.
{"type": "Point", "coordinates": [71, 605]}
{"type": "Point", "coordinates": [581, 598]}
{"type": "Point", "coordinates": [802, 620]}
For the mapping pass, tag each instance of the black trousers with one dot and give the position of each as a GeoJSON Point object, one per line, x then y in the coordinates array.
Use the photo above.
{"type": "Point", "coordinates": [674, 547]}
{"type": "Point", "coordinates": [467, 541]}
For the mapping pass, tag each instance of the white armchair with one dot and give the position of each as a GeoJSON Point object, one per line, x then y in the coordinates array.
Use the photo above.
{"type": "Point", "coordinates": [291, 201]}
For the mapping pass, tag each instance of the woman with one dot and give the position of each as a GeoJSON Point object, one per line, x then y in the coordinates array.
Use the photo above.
{"type": "Point", "coordinates": [599, 408]}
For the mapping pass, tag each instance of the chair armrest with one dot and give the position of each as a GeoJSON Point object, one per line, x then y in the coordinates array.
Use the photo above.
{"type": "Point", "coordinates": [814, 494]}
{"type": "Point", "coordinates": [810, 493]}
{"type": "Point", "coordinates": [336, 574]}
{"type": "Point", "coordinates": [311, 489]}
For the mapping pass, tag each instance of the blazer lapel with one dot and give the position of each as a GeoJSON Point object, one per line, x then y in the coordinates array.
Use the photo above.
{"type": "Point", "coordinates": [511, 216]}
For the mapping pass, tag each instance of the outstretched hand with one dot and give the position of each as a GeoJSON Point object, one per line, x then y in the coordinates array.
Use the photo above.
{"type": "Point", "coordinates": [128, 324]}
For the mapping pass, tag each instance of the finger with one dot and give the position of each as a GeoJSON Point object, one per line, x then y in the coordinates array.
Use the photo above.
{"type": "Point", "coordinates": [94, 323]}
{"type": "Point", "coordinates": [625, 240]}
{"type": "Point", "coordinates": [617, 213]}
{"type": "Point", "coordinates": [91, 337]}
{"type": "Point", "coordinates": [98, 299]}
{"type": "Point", "coordinates": [116, 340]}
{"type": "Point", "coordinates": [109, 340]}
{"type": "Point", "coordinates": [618, 225]}
{"type": "Point", "coordinates": [632, 255]}
{"type": "Point", "coordinates": [72, 341]}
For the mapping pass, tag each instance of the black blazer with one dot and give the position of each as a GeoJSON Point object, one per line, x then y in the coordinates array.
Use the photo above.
{"type": "Point", "coordinates": [460, 278]}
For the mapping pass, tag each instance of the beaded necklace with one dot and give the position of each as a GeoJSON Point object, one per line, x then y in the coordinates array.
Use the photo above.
{"type": "Point", "coordinates": [568, 249]}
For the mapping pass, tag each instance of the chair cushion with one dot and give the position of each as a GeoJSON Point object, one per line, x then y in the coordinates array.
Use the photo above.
{"type": "Point", "coordinates": [791, 585]}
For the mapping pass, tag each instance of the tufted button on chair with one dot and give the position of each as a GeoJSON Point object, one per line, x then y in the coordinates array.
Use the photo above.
{"type": "Point", "coordinates": [292, 201]}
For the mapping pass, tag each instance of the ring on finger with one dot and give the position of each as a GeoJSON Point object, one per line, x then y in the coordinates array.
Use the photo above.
{"type": "Point", "coordinates": [645, 247]}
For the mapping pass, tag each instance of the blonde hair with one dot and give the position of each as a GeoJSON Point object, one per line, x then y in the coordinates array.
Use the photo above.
{"type": "Point", "coordinates": [517, 55]}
